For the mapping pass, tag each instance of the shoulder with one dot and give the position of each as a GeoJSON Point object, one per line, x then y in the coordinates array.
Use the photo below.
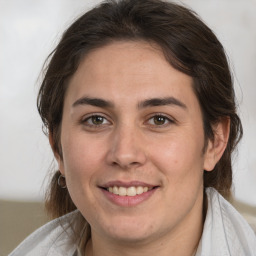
{"type": "Point", "coordinates": [225, 231]}
{"type": "Point", "coordinates": [54, 238]}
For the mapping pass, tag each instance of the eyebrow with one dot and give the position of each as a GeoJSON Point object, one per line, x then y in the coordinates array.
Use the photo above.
{"type": "Point", "coordinates": [161, 102]}
{"type": "Point", "coordinates": [97, 102]}
{"type": "Point", "coordinates": [93, 102]}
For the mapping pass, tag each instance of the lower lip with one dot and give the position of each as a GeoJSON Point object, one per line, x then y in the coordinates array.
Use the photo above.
{"type": "Point", "coordinates": [128, 201]}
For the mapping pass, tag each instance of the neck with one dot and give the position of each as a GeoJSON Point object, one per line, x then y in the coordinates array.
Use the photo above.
{"type": "Point", "coordinates": [160, 248]}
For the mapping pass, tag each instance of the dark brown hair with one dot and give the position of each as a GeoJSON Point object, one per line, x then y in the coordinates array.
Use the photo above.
{"type": "Point", "coordinates": [187, 43]}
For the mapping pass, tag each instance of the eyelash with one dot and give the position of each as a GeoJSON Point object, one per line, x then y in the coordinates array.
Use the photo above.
{"type": "Point", "coordinates": [85, 121]}
{"type": "Point", "coordinates": [167, 120]}
{"type": "Point", "coordinates": [88, 121]}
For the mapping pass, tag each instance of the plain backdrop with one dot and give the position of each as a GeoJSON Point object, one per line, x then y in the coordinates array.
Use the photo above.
{"type": "Point", "coordinates": [30, 29]}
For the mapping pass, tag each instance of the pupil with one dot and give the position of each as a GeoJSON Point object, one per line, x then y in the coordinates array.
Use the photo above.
{"type": "Point", "coordinates": [97, 120]}
{"type": "Point", "coordinates": [159, 120]}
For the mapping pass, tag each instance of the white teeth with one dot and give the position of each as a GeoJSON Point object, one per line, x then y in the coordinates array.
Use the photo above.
{"type": "Point", "coordinates": [122, 191]}
{"type": "Point", "coordinates": [139, 190]}
{"type": "Point", "coordinates": [115, 190]}
{"type": "Point", "coordinates": [130, 191]}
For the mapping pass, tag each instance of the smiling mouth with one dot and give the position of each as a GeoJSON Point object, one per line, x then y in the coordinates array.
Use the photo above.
{"type": "Point", "coordinates": [129, 191]}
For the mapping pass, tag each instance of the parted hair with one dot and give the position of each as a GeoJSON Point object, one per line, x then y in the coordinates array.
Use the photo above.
{"type": "Point", "coordinates": [187, 44]}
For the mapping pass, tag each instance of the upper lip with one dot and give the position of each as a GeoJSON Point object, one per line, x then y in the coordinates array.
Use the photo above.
{"type": "Point", "coordinates": [134, 183]}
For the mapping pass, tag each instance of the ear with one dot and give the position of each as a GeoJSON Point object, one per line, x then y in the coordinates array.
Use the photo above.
{"type": "Point", "coordinates": [56, 154]}
{"type": "Point", "coordinates": [217, 146]}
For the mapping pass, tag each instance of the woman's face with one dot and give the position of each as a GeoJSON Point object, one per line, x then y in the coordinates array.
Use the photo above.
{"type": "Point", "coordinates": [132, 141]}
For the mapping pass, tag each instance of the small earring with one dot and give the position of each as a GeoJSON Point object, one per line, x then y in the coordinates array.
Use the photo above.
{"type": "Point", "coordinates": [62, 181]}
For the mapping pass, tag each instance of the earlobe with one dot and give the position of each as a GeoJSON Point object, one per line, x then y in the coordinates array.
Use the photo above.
{"type": "Point", "coordinates": [217, 146]}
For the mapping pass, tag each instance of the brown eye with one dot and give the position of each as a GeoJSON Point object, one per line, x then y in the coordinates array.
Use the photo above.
{"type": "Point", "coordinates": [95, 120]}
{"type": "Point", "coordinates": [159, 120]}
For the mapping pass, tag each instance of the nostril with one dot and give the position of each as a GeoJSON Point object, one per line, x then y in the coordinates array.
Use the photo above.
{"type": "Point", "coordinates": [134, 163]}
{"type": "Point", "coordinates": [126, 156]}
{"type": "Point", "coordinates": [125, 165]}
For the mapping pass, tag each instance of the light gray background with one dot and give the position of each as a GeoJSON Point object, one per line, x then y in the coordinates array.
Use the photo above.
{"type": "Point", "coordinates": [30, 29]}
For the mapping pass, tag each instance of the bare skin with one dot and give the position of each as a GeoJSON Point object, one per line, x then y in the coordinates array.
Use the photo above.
{"type": "Point", "coordinates": [132, 120]}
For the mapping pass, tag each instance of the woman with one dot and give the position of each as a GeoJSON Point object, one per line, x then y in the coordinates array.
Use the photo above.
{"type": "Point", "coordinates": [139, 106]}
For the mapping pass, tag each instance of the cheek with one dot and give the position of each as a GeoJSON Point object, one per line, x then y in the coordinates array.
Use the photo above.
{"type": "Point", "coordinates": [179, 156]}
{"type": "Point", "coordinates": [81, 157]}
{"type": "Point", "coordinates": [81, 162]}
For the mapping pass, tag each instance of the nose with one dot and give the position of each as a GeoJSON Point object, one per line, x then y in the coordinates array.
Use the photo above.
{"type": "Point", "coordinates": [126, 148]}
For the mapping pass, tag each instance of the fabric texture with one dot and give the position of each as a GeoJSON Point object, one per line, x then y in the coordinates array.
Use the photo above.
{"type": "Point", "coordinates": [225, 233]}
{"type": "Point", "coordinates": [52, 239]}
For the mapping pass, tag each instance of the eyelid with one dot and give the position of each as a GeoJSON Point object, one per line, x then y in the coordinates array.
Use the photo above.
{"type": "Point", "coordinates": [167, 117]}
{"type": "Point", "coordinates": [91, 115]}
{"type": "Point", "coordinates": [86, 117]}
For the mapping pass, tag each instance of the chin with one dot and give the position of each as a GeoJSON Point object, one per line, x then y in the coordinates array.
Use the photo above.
{"type": "Point", "coordinates": [134, 231]}
{"type": "Point", "coordinates": [131, 236]}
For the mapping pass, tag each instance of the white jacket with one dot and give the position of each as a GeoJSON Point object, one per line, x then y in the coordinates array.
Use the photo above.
{"type": "Point", "coordinates": [225, 233]}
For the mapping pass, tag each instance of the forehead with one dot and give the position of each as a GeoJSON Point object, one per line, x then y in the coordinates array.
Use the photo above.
{"type": "Point", "coordinates": [128, 69]}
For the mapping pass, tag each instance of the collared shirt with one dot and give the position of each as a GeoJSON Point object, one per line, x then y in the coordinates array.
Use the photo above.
{"type": "Point", "coordinates": [225, 233]}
